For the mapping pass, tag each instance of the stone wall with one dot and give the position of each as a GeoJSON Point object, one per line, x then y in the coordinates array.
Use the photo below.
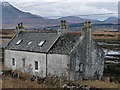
{"type": "Point", "coordinates": [95, 65]}
{"type": "Point", "coordinates": [78, 61]}
{"type": "Point", "coordinates": [58, 65]}
{"type": "Point", "coordinates": [30, 59]}
{"type": "Point", "coordinates": [86, 62]}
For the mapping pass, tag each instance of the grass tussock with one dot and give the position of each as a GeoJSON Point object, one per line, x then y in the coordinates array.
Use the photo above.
{"type": "Point", "coordinates": [100, 84]}
{"type": "Point", "coordinates": [8, 82]}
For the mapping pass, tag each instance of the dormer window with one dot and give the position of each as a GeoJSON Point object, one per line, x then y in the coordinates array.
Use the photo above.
{"type": "Point", "coordinates": [19, 42]}
{"type": "Point", "coordinates": [41, 43]}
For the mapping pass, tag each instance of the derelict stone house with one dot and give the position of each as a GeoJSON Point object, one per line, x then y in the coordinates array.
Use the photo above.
{"type": "Point", "coordinates": [61, 54]}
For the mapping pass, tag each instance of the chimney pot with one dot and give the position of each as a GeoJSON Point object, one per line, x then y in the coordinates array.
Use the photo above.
{"type": "Point", "coordinates": [89, 23]}
{"type": "Point", "coordinates": [18, 24]}
{"type": "Point", "coordinates": [21, 24]}
{"type": "Point", "coordinates": [62, 23]}
{"type": "Point", "coordinates": [85, 24]}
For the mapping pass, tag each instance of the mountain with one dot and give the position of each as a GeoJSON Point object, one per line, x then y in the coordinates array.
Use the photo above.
{"type": "Point", "coordinates": [110, 19]}
{"type": "Point", "coordinates": [11, 16]}
{"type": "Point", "coordinates": [75, 19]}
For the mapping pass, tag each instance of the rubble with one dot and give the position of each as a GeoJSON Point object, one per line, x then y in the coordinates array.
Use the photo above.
{"type": "Point", "coordinates": [73, 85]}
{"type": "Point", "coordinates": [40, 80]}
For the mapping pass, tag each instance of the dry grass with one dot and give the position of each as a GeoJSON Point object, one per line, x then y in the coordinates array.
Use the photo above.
{"type": "Point", "coordinates": [6, 36]}
{"type": "Point", "coordinates": [100, 84]}
{"type": "Point", "coordinates": [105, 38]}
{"type": "Point", "coordinates": [8, 82]}
{"type": "Point", "coordinates": [115, 34]}
{"type": "Point", "coordinates": [17, 83]}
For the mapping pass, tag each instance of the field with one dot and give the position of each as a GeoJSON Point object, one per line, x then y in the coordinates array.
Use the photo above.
{"type": "Point", "coordinates": [106, 35]}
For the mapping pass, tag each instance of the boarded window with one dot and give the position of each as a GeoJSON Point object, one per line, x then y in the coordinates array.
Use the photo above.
{"type": "Point", "coordinates": [13, 61]}
{"type": "Point", "coordinates": [23, 63]}
{"type": "Point", "coordinates": [36, 65]}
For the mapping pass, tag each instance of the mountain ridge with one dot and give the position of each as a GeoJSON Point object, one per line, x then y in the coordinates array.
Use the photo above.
{"type": "Point", "coordinates": [76, 19]}
{"type": "Point", "coordinates": [110, 19]}
{"type": "Point", "coordinates": [12, 15]}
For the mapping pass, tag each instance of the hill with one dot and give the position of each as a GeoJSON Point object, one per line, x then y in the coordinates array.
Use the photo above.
{"type": "Point", "coordinates": [96, 26]}
{"type": "Point", "coordinates": [75, 19]}
{"type": "Point", "coordinates": [11, 16]}
{"type": "Point", "coordinates": [110, 19]}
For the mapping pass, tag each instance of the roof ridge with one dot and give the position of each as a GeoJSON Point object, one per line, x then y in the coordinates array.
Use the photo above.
{"type": "Point", "coordinates": [81, 38]}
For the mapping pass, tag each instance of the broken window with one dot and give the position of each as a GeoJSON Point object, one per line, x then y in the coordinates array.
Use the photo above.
{"type": "Point", "coordinates": [41, 43]}
{"type": "Point", "coordinates": [19, 42]}
{"type": "Point", "coordinates": [13, 61]}
{"type": "Point", "coordinates": [36, 65]}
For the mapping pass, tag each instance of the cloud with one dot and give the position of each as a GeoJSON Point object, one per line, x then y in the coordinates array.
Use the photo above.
{"type": "Point", "coordinates": [62, 0]}
{"type": "Point", "coordinates": [67, 8]}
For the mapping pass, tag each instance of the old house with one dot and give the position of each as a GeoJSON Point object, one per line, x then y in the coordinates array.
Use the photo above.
{"type": "Point", "coordinates": [61, 54]}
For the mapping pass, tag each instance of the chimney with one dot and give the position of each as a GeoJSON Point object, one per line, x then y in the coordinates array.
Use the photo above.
{"type": "Point", "coordinates": [87, 34]}
{"type": "Point", "coordinates": [21, 24]}
{"type": "Point", "coordinates": [18, 24]}
{"type": "Point", "coordinates": [87, 29]}
{"type": "Point", "coordinates": [89, 24]}
{"type": "Point", "coordinates": [63, 29]}
{"type": "Point", "coordinates": [19, 28]}
{"type": "Point", "coordinates": [85, 24]}
{"type": "Point", "coordinates": [62, 23]}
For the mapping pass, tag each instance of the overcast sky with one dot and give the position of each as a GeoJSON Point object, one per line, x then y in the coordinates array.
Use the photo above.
{"type": "Point", "coordinates": [51, 8]}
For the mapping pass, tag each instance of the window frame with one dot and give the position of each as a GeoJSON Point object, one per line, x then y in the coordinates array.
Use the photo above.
{"type": "Point", "coordinates": [13, 62]}
{"type": "Point", "coordinates": [23, 62]}
{"type": "Point", "coordinates": [19, 41]}
{"type": "Point", "coordinates": [30, 43]}
{"type": "Point", "coordinates": [41, 43]}
{"type": "Point", "coordinates": [37, 66]}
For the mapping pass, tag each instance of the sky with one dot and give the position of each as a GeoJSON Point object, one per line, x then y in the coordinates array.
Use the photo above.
{"type": "Point", "coordinates": [60, 8]}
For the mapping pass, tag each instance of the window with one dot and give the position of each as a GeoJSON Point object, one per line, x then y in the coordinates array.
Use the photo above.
{"type": "Point", "coordinates": [80, 67]}
{"type": "Point", "coordinates": [23, 63]}
{"type": "Point", "coordinates": [41, 43]}
{"type": "Point", "coordinates": [36, 65]}
{"type": "Point", "coordinates": [13, 61]}
{"type": "Point", "coordinates": [29, 43]}
{"type": "Point", "coordinates": [19, 42]}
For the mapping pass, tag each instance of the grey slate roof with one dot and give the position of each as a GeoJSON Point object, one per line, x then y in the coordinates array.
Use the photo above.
{"type": "Point", "coordinates": [35, 38]}
{"type": "Point", "coordinates": [65, 44]}
{"type": "Point", "coordinates": [55, 44]}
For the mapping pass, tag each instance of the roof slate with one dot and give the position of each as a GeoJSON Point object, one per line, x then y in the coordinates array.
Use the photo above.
{"type": "Point", "coordinates": [65, 44]}
{"type": "Point", "coordinates": [54, 43]}
{"type": "Point", "coordinates": [35, 38]}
